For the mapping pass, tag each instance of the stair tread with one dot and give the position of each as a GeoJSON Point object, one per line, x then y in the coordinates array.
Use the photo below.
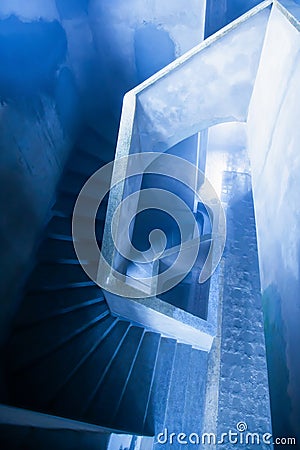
{"type": "Point", "coordinates": [57, 250]}
{"type": "Point", "coordinates": [43, 312]}
{"type": "Point", "coordinates": [178, 387]}
{"type": "Point", "coordinates": [134, 402]}
{"type": "Point", "coordinates": [42, 381]}
{"type": "Point", "coordinates": [50, 274]}
{"type": "Point", "coordinates": [103, 403]}
{"type": "Point", "coordinates": [36, 306]}
{"type": "Point", "coordinates": [29, 344]}
{"type": "Point", "coordinates": [65, 204]}
{"type": "Point", "coordinates": [85, 162]}
{"type": "Point", "coordinates": [61, 225]}
{"type": "Point", "coordinates": [97, 145]}
{"type": "Point", "coordinates": [154, 419]}
{"type": "Point", "coordinates": [60, 287]}
{"type": "Point", "coordinates": [73, 399]}
{"type": "Point", "coordinates": [195, 396]}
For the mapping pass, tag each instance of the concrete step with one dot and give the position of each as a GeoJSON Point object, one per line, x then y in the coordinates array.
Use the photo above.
{"type": "Point", "coordinates": [42, 381]}
{"type": "Point", "coordinates": [52, 275]}
{"type": "Point", "coordinates": [155, 414]}
{"type": "Point", "coordinates": [62, 226]}
{"type": "Point", "coordinates": [40, 306]}
{"type": "Point", "coordinates": [195, 395]}
{"type": "Point", "coordinates": [97, 145]}
{"type": "Point", "coordinates": [85, 163]}
{"type": "Point", "coordinates": [177, 393]}
{"type": "Point", "coordinates": [58, 249]}
{"type": "Point", "coordinates": [38, 341]}
{"type": "Point", "coordinates": [103, 403]}
{"type": "Point", "coordinates": [73, 181]}
{"type": "Point", "coordinates": [133, 402]}
{"type": "Point", "coordinates": [73, 399]}
{"type": "Point", "coordinates": [43, 314]}
{"type": "Point", "coordinates": [41, 290]}
{"type": "Point", "coordinates": [65, 203]}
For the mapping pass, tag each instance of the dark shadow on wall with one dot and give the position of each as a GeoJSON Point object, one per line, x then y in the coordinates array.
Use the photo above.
{"type": "Point", "coordinates": [69, 9]}
{"type": "Point", "coordinates": [38, 120]}
{"type": "Point", "coordinates": [19, 223]}
{"type": "Point", "coordinates": [235, 8]}
{"type": "Point", "coordinates": [68, 106]}
{"type": "Point", "coordinates": [154, 49]}
{"type": "Point", "coordinates": [30, 54]}
{"type": "Point", "coordinates": [215, 16]}
{"type": "Point", "coordinates": [221, 12]}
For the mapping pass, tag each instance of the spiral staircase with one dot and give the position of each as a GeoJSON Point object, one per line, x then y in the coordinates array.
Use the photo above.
{"type": "Point", "coordinates": [68, 356]}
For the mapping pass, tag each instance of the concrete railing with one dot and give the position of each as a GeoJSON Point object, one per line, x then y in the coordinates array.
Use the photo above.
{"type": "Point", "coordinates": [210, 84]}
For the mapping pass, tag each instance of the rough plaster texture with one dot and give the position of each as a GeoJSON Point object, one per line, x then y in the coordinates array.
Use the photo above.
{"type": "Point", "coordinates": [243, 385]}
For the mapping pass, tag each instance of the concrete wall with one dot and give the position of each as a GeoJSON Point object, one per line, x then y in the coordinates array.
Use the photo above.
{"type": "Point", "coordinates": [36, 131]}
{"type": "Point", "coordinates": [274, 137]}
{"type": "Point", "coordinates": [116, 45]}
{"type": "Point", "coordinates": [64, 68]}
